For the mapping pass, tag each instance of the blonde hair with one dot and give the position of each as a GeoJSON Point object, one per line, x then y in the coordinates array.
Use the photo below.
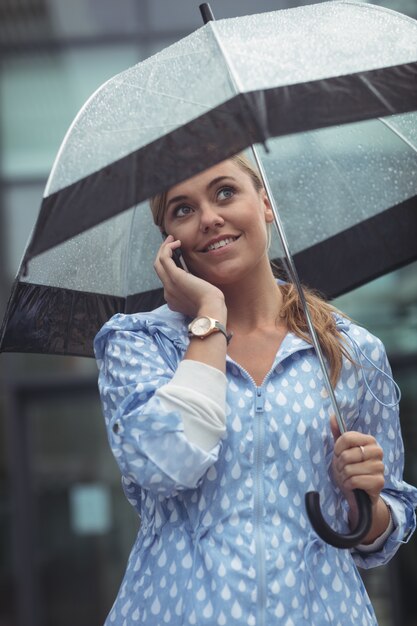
{"type": "Point", "coordinates": [321, 312]}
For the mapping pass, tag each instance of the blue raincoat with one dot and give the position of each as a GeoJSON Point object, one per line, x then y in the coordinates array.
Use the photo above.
{"type": "Point", "coordinates": [224, 537]}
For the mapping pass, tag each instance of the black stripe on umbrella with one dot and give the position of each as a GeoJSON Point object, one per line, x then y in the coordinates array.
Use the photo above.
{"type": "Point", "coordinates": [353, 257]}
{"type": "Point", "coordinates": [225, 130]}
{"type": "Point", "coordinates": [54, 320]}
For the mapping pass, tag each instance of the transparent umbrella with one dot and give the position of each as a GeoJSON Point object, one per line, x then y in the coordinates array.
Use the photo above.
{"type": "Point", "coordinates": [329, 89]}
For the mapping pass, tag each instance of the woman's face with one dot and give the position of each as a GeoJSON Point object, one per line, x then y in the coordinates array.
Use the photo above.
{"type": "Point", "coordinates": [220, 219]}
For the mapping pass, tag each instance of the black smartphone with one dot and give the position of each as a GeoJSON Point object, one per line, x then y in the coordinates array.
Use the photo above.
{"type": "Point", "coordinates": [177, 256]}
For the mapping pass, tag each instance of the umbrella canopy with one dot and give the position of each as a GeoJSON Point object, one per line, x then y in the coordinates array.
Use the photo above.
{"type": "Point", "coordinates": [310, 82]}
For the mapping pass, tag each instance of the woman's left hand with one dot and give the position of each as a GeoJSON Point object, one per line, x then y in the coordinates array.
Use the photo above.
{"type": "Point", "coordinates": [357, 464]}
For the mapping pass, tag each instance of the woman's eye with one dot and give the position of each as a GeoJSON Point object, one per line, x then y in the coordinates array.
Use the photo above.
{"type": "Point", "coordinates": [182, 210]}
{"type": "Point", "coordinates": [225, 193]}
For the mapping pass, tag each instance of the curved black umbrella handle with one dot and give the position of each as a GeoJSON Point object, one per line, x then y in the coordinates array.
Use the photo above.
{"type": "Point", "coordinates": [312, 501]}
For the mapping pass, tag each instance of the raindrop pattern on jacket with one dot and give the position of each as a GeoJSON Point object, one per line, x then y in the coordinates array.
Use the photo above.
{"type": "Point", "coordinates": [224, 538]}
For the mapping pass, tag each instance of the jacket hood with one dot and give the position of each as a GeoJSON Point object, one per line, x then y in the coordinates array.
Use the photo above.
{"type": "Point", "coordinates": [160, 323]}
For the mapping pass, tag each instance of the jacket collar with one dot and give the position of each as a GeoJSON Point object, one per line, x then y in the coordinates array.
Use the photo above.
{"type": "Point", "coordinates": [174, 326]}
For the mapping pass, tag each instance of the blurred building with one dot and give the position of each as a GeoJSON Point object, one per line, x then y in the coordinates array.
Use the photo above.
{"type": "Point", "coordinates": [65, 526]}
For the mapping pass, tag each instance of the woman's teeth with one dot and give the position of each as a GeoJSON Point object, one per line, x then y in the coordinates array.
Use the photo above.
{"type": "Point", "coordinates": [221, 243]}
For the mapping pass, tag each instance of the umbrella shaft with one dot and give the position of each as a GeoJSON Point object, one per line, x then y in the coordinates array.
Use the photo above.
{"type": "Point", "coordinates": [291, 269]}
{"type": "Point", "coordinates": [293, 274]}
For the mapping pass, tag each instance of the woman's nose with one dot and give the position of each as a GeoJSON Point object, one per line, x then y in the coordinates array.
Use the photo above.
{"type": "Point", "coordinates": [210, 218]}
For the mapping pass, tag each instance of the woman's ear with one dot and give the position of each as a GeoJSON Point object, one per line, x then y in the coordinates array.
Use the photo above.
{"type": "Point", "coordinates": [268, 212]}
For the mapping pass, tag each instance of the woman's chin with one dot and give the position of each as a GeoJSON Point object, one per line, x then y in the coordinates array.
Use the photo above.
{"type": "Point", "coordinates": [224, 276]}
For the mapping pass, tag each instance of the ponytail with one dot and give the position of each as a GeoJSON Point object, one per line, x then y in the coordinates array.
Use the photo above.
{"type": "Point", "coordinates": [322, 316]}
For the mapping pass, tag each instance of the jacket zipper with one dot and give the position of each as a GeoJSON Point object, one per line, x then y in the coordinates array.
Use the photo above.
{"type": "Point", "coordinates": [259, 494]}
{"type": "Point", "coordinates": [259, 498]}
{"type": "Point", "coordinates": [259, 491]}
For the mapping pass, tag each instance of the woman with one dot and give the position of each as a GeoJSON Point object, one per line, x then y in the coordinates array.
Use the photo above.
{"type": "Point", "coordinates": [220, 422]}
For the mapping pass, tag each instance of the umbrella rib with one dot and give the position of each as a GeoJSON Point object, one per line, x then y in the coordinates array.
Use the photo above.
{"type": "Point", "coordinates": [178, 55]}
{"type": "Point", "coordinates": [398, 133]}
{"type": "Point", "coordinates": [376, 93]}
{"type": "Point", "coordinates": [167, 95]}
{"type": "Point", "coordinates": [126, 255]}
{"type": "Point", "coordinates": [345, 185]}
{"type": "Point", "coordinates": [111, 131]}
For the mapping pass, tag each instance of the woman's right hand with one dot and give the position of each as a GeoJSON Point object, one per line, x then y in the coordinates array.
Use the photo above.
{"type": "Point", "coordinates": [184, 292]}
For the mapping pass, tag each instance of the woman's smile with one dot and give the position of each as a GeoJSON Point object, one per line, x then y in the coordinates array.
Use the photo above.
{"type": "Point", "coordinates": [218, 244]}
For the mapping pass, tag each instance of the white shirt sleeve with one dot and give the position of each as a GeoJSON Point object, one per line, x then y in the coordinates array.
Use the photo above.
{"type": "Point", "coordinates": [379, 541]}
{"type": "Point", "coordinates": [198, 392]}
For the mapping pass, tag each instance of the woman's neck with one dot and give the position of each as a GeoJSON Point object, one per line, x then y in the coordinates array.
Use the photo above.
{"type": "Point", "coordinates": [255, 304]}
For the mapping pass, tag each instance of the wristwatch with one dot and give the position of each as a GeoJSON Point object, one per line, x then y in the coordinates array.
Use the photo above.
{"type": "Point", "coordinates": [204, 326]}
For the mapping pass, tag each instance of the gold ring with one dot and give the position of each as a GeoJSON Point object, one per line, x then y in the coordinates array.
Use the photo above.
{"type": "Point", "coordinates": [363, 452]}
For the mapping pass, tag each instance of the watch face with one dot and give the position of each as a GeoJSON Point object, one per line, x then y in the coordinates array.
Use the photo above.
{"type": "Point", "coordinates": [200, 326]}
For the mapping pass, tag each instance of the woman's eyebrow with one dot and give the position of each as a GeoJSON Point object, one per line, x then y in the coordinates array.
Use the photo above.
{"type": "Point", "coordinates": [219, 179]}
{"type": "Point", "coordinates": [177, 199]}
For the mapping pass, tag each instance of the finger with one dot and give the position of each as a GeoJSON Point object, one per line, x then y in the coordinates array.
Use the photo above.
{"type": "Point", "coordinates": [359, 455]}
{"type": "Point", "coordinates": [167, 245]}
{"type": "Point", "coordinates": [371, 483]}
{"type": "Point", "coordinates": [352, 439]}
{"type": "Point", "coordinates": [163, 261]}
{"type": "Point", "coordinates": [374, 466]}
{"type": "Point", "coordinates": [169, 239]}
{"type": "Point", "coordinates": [334, 427]}
{"type": "Point", "coordinates": [166, 254]}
